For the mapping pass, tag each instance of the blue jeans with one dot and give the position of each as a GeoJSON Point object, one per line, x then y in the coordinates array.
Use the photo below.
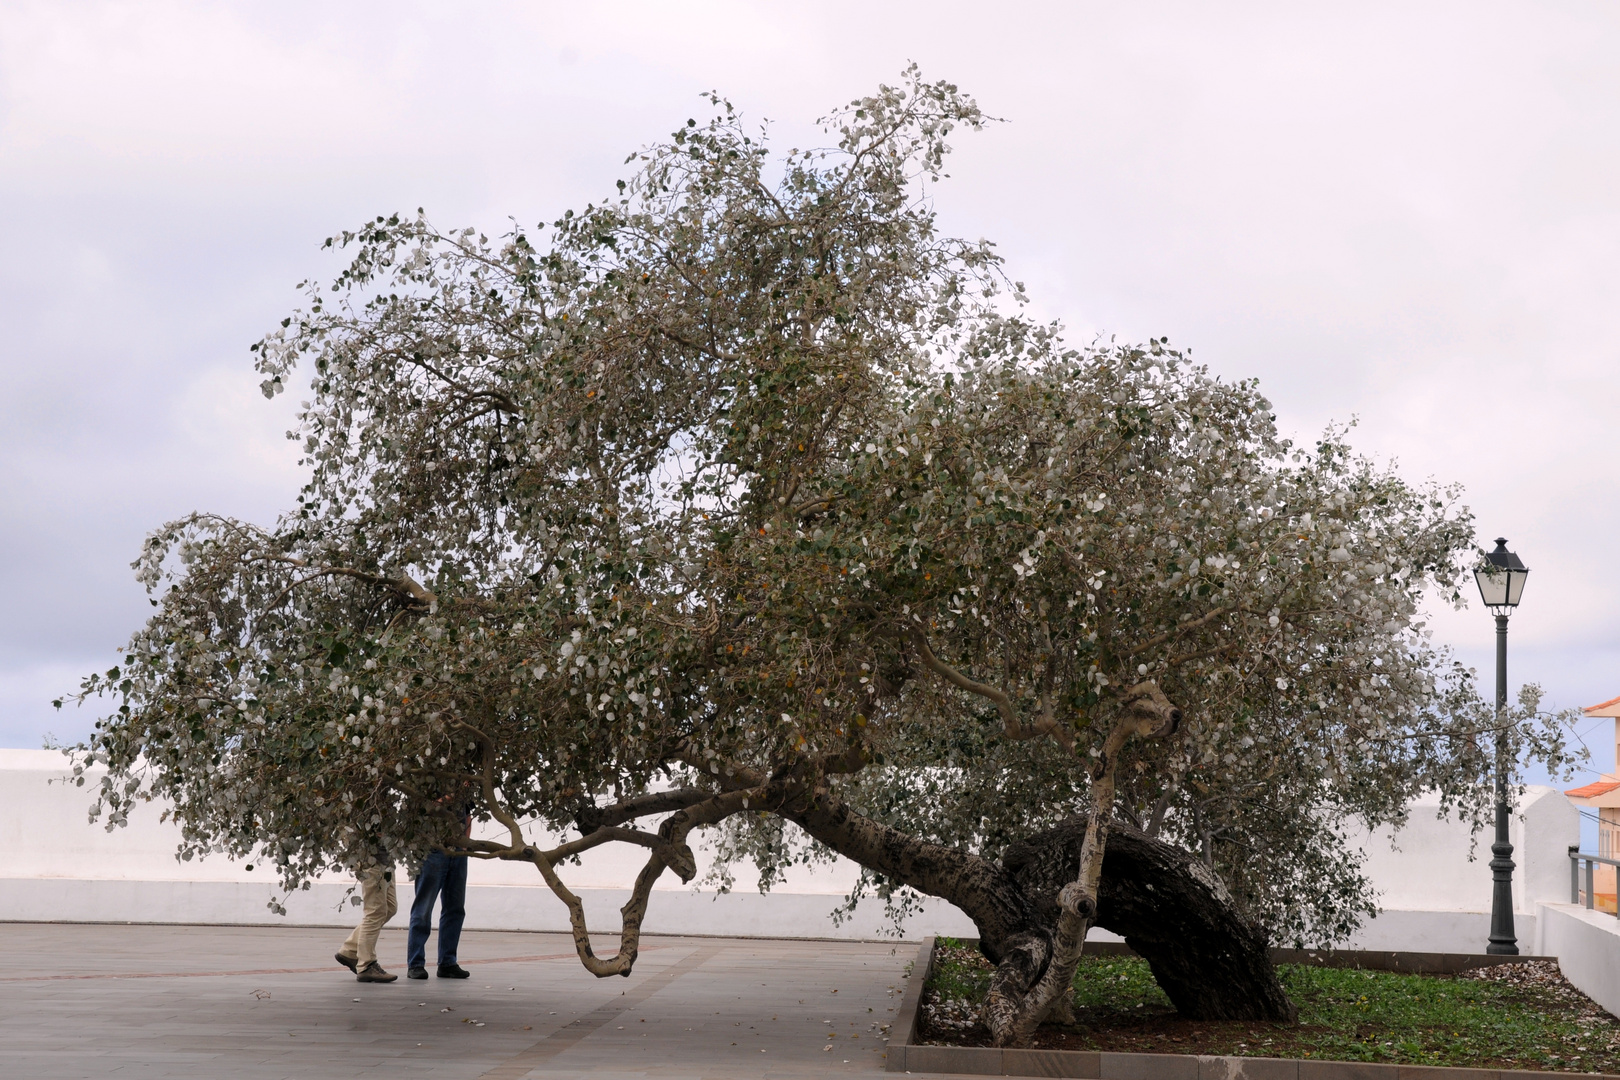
{"type": "Point", "coordinates": [446, 875]}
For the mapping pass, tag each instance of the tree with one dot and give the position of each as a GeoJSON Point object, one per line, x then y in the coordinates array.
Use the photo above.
{"type": "Point", "coordinates": [747, 498]}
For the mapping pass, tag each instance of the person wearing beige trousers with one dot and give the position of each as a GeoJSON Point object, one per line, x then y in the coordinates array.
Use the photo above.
{"type": "Point", "coordinates": [359, 951]}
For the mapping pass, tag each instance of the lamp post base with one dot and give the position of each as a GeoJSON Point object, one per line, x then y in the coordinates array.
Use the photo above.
{"type": "Point", "coordinates": [1503, 941]}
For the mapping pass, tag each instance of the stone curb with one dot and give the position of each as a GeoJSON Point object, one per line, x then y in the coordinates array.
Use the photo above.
{"type": "Point", "coordinates": [904, 1056]}
{"type": "Point", "coordinates": [905, 1020]}
{"type": "Point", "coordinates": [1410, 963]}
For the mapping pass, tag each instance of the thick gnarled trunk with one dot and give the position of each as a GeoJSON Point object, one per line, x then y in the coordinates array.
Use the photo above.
{"type": "Point", "coordinates": [1014, 1008]}
{"type": "Point", "coordinates": [1210, 962]}
{"type": "Point", "coordinates": [1171, 910]}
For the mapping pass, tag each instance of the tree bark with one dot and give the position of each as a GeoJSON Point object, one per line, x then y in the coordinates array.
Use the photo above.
{"type": "Point", "coordinates": [1210, 962]}
{"type": "Point", "coordinates": [1013, 1009]}
{"type": "Point", "coordinates": [1171, 910]}
{"type": "Point", "coordinates": [986, 894]}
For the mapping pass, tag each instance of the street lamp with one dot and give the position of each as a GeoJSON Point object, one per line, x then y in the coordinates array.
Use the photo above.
{"type": "Point", "coordinates": [1501, 583]}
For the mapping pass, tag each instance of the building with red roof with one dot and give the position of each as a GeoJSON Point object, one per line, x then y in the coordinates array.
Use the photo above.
{"type": "Point", "coordinates": [1603, 795]}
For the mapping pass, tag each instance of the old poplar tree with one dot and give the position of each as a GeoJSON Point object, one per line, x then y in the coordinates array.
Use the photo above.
{"type": "Point", "coordinates": [747, 501]}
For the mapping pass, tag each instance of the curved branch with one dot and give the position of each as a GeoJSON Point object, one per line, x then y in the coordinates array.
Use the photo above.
{"type": "Point", "coordinates": [620, 962]}
{"type": "Point", "coordinates": [671, 845]}
{"type": "Point", "coordinates": [678, 859]}
{"type": "Point", "coordinates": [1003, 703]}
{"type": "Point", "coordinates": [1015, 729]}
{"type": "Point", "coordinates": [1170, 635]}
{"type": "Point", "coordinates": [403, 583]}
{"type": "Point", "coordinates": [661, 802]}
{"type": "Point", "coordinates": [1203, 654]}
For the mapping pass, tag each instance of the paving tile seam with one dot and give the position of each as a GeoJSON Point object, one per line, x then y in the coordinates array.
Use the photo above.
{"type": "Point", "coordinates": [1107, 1065]}
{"type": "Point", "coordinates": [526, 1061]}
{"type": "Point", "coordinates": [271, 971]}
{"type": "Point", "coordinates": [190, 1029]}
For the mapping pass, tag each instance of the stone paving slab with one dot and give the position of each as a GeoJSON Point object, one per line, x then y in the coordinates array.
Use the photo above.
{"type": "Point", "coordinates": [268, 1003]}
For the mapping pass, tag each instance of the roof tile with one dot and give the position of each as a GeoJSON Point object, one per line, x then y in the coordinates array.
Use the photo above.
{"type": "Point", "coordinates": [1593, 790]}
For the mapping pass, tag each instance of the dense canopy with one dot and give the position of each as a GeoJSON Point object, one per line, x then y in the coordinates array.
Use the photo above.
{"type": "Point", "coordinates": [746, 491]}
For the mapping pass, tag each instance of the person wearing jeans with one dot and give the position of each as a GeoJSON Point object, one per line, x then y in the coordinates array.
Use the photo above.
{"type": "Point", "coordinates": [444, 876]}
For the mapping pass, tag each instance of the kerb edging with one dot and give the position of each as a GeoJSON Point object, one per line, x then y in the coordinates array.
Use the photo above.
{"type": "Point", "coordinates": [905, 1056]}
{"type": "Point", "coordinates": [905, 1020]}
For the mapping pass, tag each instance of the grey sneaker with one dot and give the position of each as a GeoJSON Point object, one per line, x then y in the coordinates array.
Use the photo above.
{"type": "Point", "coordinates": [373, 972]}
{"type": "Point", "coordinates": [346, 961]}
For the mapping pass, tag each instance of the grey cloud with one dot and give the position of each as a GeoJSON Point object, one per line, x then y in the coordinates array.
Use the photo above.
{"type": "Point", "coordinates": [1405, 213]}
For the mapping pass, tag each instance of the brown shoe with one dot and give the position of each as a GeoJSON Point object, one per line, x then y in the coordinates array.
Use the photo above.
{"type": "Point", "coordinates": [346, 961]}
{"type": "Point", "coordinates": [373, 972]}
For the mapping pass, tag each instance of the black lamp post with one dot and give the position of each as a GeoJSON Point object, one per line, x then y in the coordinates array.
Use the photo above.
{"type": "Point", "coordinates": [1501, 583]}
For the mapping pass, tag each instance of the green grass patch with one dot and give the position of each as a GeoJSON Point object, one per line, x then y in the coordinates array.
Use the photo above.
{"type": "Point", "coordinates": [1521, 1016]}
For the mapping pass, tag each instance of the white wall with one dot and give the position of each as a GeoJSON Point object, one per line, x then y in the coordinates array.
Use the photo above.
{"type": "Point", "coordinates": [1434, 877]}
{"type": "Point", "coordinates": [1587, 944]}
{"type": "Point", "coordinates": [55, 866]}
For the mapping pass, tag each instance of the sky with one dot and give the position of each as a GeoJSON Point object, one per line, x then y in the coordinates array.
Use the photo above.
{"type": "Point", "coordinates": [1404, 214]}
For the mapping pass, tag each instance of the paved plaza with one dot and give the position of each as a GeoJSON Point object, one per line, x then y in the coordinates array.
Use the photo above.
{"type": "Point", "coordinates": [254, 1002]}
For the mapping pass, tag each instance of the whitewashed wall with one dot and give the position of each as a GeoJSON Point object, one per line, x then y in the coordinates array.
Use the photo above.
{"type": "Point", "coordinates": [1434, 877]}
{"type": "Point", "coordinates": [1587, 944]}
{"type": "Point", "coordinates": [54, 866]}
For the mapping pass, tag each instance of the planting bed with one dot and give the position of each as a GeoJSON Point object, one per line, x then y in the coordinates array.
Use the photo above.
{"type": "Point", "coordinates": [1514, 1016]}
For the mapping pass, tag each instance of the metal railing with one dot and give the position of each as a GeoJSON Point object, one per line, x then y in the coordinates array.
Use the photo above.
{"type": "Point", "coordinates": [1575, 875]}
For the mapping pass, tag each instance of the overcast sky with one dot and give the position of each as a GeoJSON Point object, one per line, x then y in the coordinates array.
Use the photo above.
{"type": "Point", "coordinates": [1404, 213]}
